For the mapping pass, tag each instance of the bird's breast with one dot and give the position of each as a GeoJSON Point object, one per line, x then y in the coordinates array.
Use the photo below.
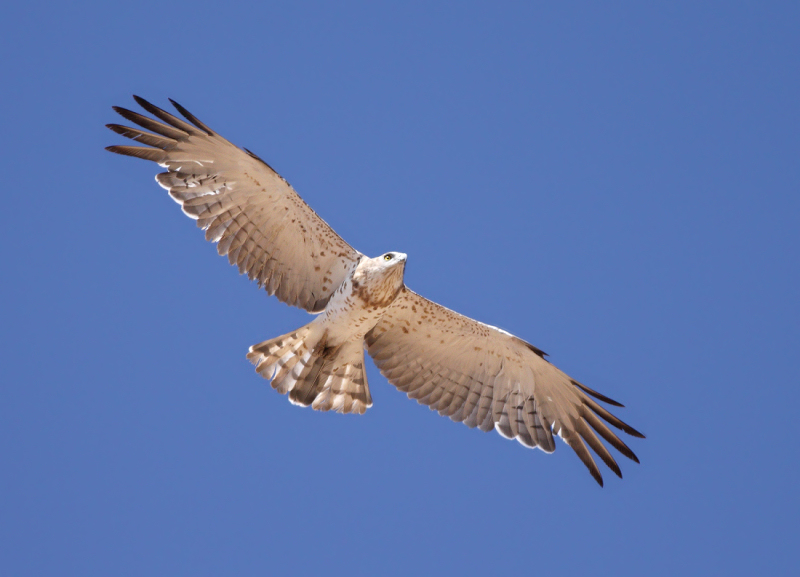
{"type": "Point", "coordinates": [351, 312]}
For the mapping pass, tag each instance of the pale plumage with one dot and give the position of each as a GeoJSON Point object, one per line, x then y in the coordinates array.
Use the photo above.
{"type": "Point", "coordinates": [469, 371]}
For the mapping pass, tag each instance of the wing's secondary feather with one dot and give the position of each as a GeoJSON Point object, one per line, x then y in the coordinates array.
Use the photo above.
{"type": "Point", "coordinates": [483, 376]}
{"type": "Point", "coordinates": [254, 215]}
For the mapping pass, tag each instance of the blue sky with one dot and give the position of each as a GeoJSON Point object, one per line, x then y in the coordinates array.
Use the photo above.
{"type": "Point", "coordinates": [616, 184]}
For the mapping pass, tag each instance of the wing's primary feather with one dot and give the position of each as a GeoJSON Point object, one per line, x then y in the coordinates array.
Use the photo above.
{"type": "Point", "coordinates": [257, 219]}
{"type": "Point", "coordinates": [483, 376]}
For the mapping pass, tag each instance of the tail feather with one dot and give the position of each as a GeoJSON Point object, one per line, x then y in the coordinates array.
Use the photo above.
{"type": "Point", "coordinates": [313, 372]}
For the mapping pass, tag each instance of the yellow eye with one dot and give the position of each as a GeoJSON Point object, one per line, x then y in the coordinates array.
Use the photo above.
{"type": "Point", "coordinates": [387, 257]}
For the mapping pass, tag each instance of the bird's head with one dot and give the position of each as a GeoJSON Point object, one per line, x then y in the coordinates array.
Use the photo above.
{"type": "Point", "coordinates": [392, 265]}
{"type": "Point", "coordinates": [392, 259]}
{"type": "Point", "coordinates": [380, 279]}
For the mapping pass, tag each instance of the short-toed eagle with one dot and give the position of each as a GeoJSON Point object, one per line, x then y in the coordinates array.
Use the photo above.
{"type": "Point", "coordinates": [464, 369]}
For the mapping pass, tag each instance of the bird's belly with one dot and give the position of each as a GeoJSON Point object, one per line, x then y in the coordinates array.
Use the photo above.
{"type": "Point", "coordinates": [348, 317]}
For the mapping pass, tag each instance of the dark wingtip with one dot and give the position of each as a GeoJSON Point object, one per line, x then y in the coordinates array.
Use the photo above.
{"type": "Point", "coordinates": [150, 107]}
{"type": "Point", "coordinates": [535, 350]}
{"type": "Point", "coordinates": [191, 118]}
{"type": "Point", "coordinates": [596, 395]}
{"type": "Point", "coordinates": [614, 467]}
{"type": "Point", "coordinates": [631, 431]}
{"type": "Point", "coordinates": [258, 158]}
{"type": "Point", "coordinates": [118, 128]}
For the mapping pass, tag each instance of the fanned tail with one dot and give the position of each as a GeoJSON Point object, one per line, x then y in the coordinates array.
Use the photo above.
{"type": "Point", "coordinates": [313, 372]}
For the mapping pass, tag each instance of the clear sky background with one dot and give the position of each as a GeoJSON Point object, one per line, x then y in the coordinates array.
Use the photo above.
{"type": "Point", "coordinates": [616, 183]}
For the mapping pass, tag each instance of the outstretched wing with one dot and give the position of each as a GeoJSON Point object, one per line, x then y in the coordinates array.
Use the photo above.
{"type": "Point", "coordinates": [253, 214]}
{"type": "Point", "coordinates": [485, 377]}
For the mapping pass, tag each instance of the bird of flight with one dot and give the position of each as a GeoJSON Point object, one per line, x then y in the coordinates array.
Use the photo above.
{"type": "Point", "coordinates": [466, 370]}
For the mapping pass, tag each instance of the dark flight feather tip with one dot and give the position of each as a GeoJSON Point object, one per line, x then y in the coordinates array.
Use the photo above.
{"type": "Point", "coordinates": [191, 118]}
{"type": "Point", "coordinates": [166, 116]}
{"type": "Point", "coordinates": [150, 124]}
{"type": "Point", "coordinates": [577, 444]}
{"type": "Point", "coordinates": [142, 136]}
{"type": "Point", "coordinates": [154, 154]}
{"type": "Point", "coordinates": [596, 395]}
